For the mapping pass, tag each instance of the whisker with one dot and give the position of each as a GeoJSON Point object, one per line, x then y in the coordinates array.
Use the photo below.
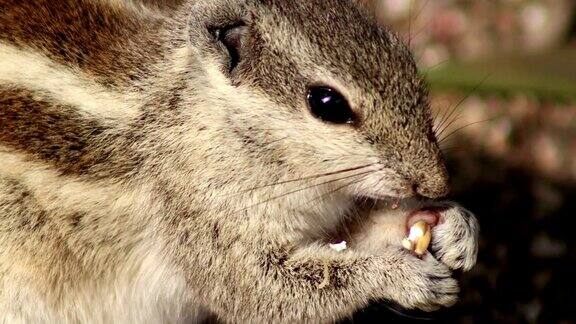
{"type": "Point", "coordinates": [439, 134]}
{"type": "Point", "coordinates": [422, 29]}
{"type": "Point", "coordinates": [336, 144]}
{"type": "Point", "coordinates": [452, 110]}
{"type": "Point", "coordinates": [445, 118]}
{"type": "Point", "coordinates": [414, 19]}
{"type": "Point", "coordinates": [276, 141]}
{"type": "Point", "coordinates": [438, 111]}
{"type": "Point", "coordinates": [317, 176]}
{"type": "Point", "coordinates": [337, 189]}
{"type": "Point", "coordinates": [421, 10]}
{"type": "Point", "coordinates": [441, 127]}
{"type": "Point", "coordinates": [305, 188]}
{"type": "Point", "coordinates": [441, 121]}
{"type": "Point", "coordinates": [435, 66]}
{"type": "Point", "coordinates": [463, 127]}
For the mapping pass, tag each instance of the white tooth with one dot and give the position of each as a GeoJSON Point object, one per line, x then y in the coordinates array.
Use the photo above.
{"type": "Point", "coordinates": [339, 247]}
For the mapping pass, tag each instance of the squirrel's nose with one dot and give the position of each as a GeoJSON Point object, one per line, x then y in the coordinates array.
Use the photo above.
{"type": "Point", "coordinates": [433, 184]}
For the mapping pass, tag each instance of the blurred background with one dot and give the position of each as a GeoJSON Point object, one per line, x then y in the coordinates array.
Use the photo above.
{"type": "Point", "coordinates": [503, 80]}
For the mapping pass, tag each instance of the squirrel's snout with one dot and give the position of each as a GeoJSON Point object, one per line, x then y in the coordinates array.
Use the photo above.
{"type": "Point", "coordinates": [433, 184]}
{"type": "Point", "coordinates": [432, 191]}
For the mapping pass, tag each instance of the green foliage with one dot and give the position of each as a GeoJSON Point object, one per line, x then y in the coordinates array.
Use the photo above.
{"type": "Point", "coordinates": [547, 77]}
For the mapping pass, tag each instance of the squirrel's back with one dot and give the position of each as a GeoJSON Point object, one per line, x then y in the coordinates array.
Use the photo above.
{"type": "Point", "coordinates": [71, 73]}
{"type": "Point", "coordinates": [93, 36]}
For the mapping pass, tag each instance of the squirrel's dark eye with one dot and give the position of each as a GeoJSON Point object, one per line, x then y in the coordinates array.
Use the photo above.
{"type": "Point", "coordinates": [330, 106]}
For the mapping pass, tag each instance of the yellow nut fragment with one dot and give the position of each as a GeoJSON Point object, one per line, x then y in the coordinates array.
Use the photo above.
{"type": "Point", "coordinates": [418, 238]}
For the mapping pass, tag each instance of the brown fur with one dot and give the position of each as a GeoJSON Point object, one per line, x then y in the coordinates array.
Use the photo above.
{"type": "Point", "coordinates": [53, 133]}
{"type": "Point", "coordinates": [142, 181]}
{"type": "Point", "coordinates": [111, 44]}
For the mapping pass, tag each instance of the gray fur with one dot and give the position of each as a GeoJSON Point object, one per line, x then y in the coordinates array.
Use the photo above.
{"type": "Point", "coordinates": [210, 191]}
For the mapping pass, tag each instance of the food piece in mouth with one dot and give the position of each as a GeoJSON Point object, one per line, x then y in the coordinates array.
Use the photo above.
{"type": "Point", "coordinates": [420, 224]}
{"type": "Point", "coordinates": [418, 238]}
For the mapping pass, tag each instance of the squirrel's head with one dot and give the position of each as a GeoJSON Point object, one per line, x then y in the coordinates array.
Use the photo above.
{"type": "Point", "coordinates": [309, 88]}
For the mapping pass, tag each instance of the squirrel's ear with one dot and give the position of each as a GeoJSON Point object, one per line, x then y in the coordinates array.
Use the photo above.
{"type": "Point", "coordinates": [219, 29]}
{"type": "Point", "coordinates": [233, 39]}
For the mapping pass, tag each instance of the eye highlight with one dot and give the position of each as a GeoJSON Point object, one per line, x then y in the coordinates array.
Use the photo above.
{"type": "Point", "coordinates": [329, 105]}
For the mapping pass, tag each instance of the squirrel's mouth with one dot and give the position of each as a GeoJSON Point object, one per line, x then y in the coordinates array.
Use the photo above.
{"type": "Point", "coordinates": [376, 223]}
{"type": "Point", "coordinates": [358, 218]}
{"type": "Point", "coordinates": [384, 187]}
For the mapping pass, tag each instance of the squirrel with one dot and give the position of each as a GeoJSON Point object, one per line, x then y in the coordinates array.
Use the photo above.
{"type": "Point", "coordinates": [161, 166]}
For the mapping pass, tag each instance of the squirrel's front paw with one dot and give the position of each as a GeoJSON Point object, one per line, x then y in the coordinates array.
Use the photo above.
{"type": "Point", "coordinates": [455, 238]}
{"type": "Point", "coordinates": [425, 284]}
